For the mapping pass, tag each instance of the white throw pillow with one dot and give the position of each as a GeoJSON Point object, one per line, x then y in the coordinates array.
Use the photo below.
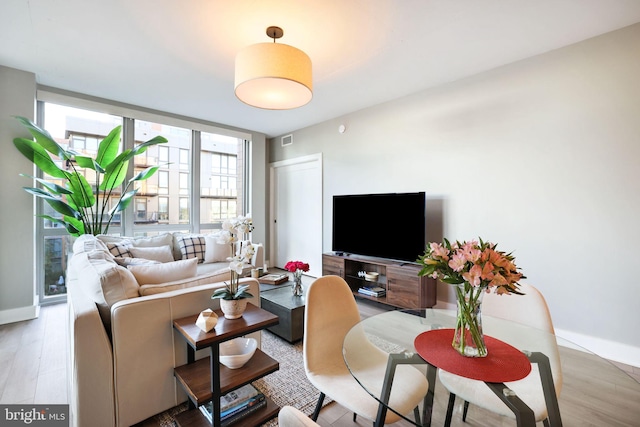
{"type": "Point", "coordinates": [154, 241]}
{"type": "Point", "coordinates": [104, 281]}
{"type": "Point", "coordinates": [88, 242]}
{"type": "Point", "coordinates": [214, 251]}
{"type": "Point", "coordinates": [127, 261]}
{"type": "Point", "coordinates": [160, 253]}
{"type": "Point", "coordinates": [165, 272]}
{"type": "Point", "coordinates": [215, 277]}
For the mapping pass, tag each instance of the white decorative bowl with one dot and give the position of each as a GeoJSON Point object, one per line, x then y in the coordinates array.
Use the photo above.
{"type": "Point", "coordinates": [371, 276]}
{"type": "Point", "coordinates": [236, 352]}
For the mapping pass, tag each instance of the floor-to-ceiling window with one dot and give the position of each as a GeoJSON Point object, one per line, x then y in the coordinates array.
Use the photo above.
{"type": "Point", "coordinates": [199, 172]}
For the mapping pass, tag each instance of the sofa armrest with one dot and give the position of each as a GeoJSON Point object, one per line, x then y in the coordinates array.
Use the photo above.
{"type": "Point", "coordinates": [91, 384]}
{"type": "Point", "coordinates": [258, 257]}
{"type": "Point", "coordinates": [146, 348]}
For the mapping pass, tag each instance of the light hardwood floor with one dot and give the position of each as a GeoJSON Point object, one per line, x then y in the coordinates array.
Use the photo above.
{"type": "Point", "coordinates": [33, 360]}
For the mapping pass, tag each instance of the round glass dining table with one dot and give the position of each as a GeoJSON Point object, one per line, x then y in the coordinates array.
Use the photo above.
{"type": "Point", "coordinates": [592, 391]}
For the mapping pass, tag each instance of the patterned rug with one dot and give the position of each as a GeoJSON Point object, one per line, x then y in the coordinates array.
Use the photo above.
{"type": "Point", "coordinates": [287, 386]}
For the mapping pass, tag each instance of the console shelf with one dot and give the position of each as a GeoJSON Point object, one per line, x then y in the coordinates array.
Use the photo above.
{"type": "Point", "coordinates": [404, 288]}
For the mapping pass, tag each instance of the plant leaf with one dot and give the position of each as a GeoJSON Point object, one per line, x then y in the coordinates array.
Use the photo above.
{"type": "Point", "coordinates": [116, 171]}
{"type": "Point", "coordinates": [82, 192]}
{"type": "Point", "coordinates": [145, 174]}
{"type": "Point", "coordinates": [124, 201]}
{"type": "Point", "coordinates": [43, 138]}
{"type": "Point", "coordinates": [85, 162]}
{"type": "Point", "coordinates": [139, 149]}
{"type": "Point", "coordinates": [38, 155]}
{"type": "Point", "coordinates": [74, 224]}
{"type": "Point", "coordinates": [108, 148]}
{"type": "Point", "coordinates": [66, 223]}
{"type": "Point", "coordinates": [54, 201]}
{"type": "Point", "coordinates": [51, 186]}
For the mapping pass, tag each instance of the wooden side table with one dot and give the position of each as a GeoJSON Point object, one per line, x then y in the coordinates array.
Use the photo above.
{"type": "Point", "coordinates": [205, 379]}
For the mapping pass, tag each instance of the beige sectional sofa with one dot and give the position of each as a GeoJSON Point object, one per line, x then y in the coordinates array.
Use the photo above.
{"type": "Point", "coordinates": [123, 346]}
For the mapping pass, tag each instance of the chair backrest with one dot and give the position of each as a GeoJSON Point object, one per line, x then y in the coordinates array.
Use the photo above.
{"type": "Point", "coordinates": [293, 417]}
{"type": "Point", "coordinates": [529, 309]}
{"type": "Point", "coordinates": [330, 312]}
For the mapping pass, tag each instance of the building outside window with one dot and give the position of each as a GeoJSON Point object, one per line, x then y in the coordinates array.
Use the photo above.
{"type": "Point", "coordinates": [80, 130]}
{"type": "Point", "coordinates": [184, 183]}
{"type": "Point", "coordinates": [163, 203]}
{"type": "Point", "coordinates": [184, 210]}
{"type": "Point", "coordinates": [163, 182]}
{"type": "Point", "coordinates": [184, 159]}
{"type": "Point", "coordinates": [163, 209]}
{"type": "Point", "coordinates": [163, 154]}
{"type": "Point", "coordinates": [219, 173]}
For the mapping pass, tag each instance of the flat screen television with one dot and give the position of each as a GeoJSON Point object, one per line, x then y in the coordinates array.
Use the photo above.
{"type": "Point", "coordinates": [391, 225]}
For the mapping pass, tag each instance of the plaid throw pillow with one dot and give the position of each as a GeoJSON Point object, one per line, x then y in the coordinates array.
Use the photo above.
{"type": "Point", "coordinates": [119, 250]}
{"type": "Point", "coordinates": [192, 247]}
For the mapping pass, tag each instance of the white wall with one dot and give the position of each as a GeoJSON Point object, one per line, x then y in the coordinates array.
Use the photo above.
{"type": "Point", "coordinates": [541, 156]}
{"type": "Point", "coordinates": [17, 289]}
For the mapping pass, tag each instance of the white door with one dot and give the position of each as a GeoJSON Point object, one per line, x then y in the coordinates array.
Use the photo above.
{"type": "Point", "coordinates": [296, 212]}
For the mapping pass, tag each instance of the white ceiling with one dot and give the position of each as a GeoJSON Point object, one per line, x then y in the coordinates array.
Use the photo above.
{"type": "Point", "coordinates": [178, 55]}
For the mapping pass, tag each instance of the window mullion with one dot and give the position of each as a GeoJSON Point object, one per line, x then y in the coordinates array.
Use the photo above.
{"type": "Point", "coordinates": [128, 143]}
{"type": "Point", "coordinates": [194, 181]}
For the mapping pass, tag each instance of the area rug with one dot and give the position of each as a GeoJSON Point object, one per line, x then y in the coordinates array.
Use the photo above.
{"type": "Point", "coordinates": [287, 386]}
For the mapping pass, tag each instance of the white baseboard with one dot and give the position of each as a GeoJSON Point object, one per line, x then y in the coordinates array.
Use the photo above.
{"type": "Point", "coordinates": [19, 314]}
{"type": "Point", "coordinates": [612, 350]}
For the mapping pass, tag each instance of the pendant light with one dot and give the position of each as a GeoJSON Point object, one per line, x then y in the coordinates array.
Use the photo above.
{"type": "Point", "coordinates": [273, 76]}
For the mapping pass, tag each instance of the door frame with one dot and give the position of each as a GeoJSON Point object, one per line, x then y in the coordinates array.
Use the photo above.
{"type": "Point", "coordinates": [312, 158]}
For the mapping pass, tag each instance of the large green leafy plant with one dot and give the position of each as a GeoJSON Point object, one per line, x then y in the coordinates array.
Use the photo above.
{"type": "Point", "coordinates": [84, 208]}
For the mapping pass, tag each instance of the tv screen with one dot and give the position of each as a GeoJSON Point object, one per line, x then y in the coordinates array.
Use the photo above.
{"type": "Point", "coordinates": [380, 225]}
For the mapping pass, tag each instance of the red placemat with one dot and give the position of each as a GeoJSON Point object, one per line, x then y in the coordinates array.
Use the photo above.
{"type": "Point", "coordinates": [503, 362]}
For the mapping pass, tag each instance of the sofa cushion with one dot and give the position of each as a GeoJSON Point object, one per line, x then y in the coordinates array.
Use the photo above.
{"type": "Point", "coordinates": [88, 242]}
{"type": "Point", "coordinates": [192, 246]}
{"type": "Point", "coordinates": [127, 261]}
{"type": "Point", "coordinates": [139, 242]}
{"type": "Point", "coordinates": [164, 272]}
{"type": "Point", "coordinates": [155, 253]}
{"type": "Point", "coordinates": [105, 282]}
{"type": "Point", "coordinates": [214, 251]}
{"type": "Point", "coordinates": [215, 277]}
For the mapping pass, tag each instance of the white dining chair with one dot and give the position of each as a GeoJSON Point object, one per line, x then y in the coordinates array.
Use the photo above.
{"type": "Point", "coordinates": [331, 311]}
{"type": "Point", "coordinates": [288, 416]}
{"type": "Point", "coordinates": [529, 309]}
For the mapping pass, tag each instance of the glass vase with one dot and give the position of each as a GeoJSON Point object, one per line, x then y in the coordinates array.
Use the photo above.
{"type": "Point", "coordinates": [468, 339]}
{"type": "Point", "coordinates": [296, 288]}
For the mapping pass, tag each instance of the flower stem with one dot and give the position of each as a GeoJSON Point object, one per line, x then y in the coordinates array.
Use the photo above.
{"type": "Point", "coordinates": [469, 300]}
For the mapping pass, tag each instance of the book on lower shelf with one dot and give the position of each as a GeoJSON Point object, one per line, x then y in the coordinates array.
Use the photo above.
{"type": "Point", "coordinates": [374, 291]}
{"type": "Point", "coordinates": [236, 404]}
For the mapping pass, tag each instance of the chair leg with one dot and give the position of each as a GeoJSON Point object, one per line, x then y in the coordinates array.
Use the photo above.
{"type": "Point", "coordinates": [545, 422]}
{"type": "Point", "coordinates": [316, 412]}
{"type": "Point", "coordinates": [464, 411]}
{"type": "Point", "coordinates": [452, 400]}
{"type": "Point", "coordinates": [416, 414]}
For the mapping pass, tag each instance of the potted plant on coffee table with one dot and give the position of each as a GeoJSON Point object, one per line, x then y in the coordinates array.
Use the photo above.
{"type": "Point", "coordinates": [233, 295]}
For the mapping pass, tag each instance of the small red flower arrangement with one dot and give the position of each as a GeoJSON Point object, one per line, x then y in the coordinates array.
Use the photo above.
{"type": "Point", "coordinates": [297, 267]}
{"type": "Point", "coordinates": [292, 266]}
